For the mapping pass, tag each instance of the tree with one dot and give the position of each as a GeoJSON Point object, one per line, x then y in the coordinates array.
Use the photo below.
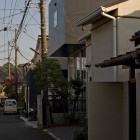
{"type": "Point", "coordinates": [48, 75]}
{"type": "Point", "coordinates": [7, 82]}
{"type": "Point", "coordinates": [78, 87]}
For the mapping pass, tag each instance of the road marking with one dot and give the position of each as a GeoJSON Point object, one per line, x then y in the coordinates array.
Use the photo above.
{"type": "Point", "coordinates": [51, 134]}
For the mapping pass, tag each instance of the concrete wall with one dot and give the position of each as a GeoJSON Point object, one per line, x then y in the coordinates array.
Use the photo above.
{"type": "Point", "coordinates": [108, 111]}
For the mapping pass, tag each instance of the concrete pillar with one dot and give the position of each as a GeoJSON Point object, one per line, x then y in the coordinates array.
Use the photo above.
{"type": "Point", "coordinates": [39, 111]}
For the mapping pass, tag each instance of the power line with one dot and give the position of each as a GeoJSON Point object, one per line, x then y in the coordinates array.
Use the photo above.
{"type": "Point", "coordinates": [4, 15]}
{"type": "Point", "coordinates": [21, 24]}
{"type": "Point", "coordinates": [13, 13]}
{"type": "Point", "coordinates": [10, 11]}
{"type": "Point", "coordinates": [30, 36]}
{"type": "Point", "coordinates": [26, 53]}
{"type": "Point", "coordinates": [23, 56]}
{"type": "Point", "coordinates": [32, 16]}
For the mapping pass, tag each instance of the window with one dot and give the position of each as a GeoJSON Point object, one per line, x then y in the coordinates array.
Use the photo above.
{"type": "Point", "coordinates": [55, 19]}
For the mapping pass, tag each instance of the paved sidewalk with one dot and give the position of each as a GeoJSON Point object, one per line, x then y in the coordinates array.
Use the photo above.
{"type": "Point", "coordinates": [63, 132]}
{"type": "Point", "coordinates": [57, 132]}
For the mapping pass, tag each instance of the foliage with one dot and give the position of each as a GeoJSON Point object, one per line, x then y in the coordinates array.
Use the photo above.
{"type": "Point", "coordinates": [77, 85]}
{"type": "Point", "coordinates": [8, 84]}
{"type": "Point", "coordinates": [81, 134]}
{"type": "Point", "coordinates": [48, 75]}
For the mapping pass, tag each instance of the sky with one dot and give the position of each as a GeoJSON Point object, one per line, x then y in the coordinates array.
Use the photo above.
{"type": "Point", "coordinates": [11, 14]}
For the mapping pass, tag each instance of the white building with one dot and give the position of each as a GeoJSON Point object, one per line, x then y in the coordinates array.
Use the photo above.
{"type": "Point", "coordinates": [108, 104]}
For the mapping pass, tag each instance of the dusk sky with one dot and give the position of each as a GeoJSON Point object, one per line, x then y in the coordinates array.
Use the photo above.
{"type": "Point", "coordinates": [11, 14]}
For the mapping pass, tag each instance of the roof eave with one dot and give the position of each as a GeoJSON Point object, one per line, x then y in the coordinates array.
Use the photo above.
{"type": "Point", "coordinates": [88, 18]}
{"type": "Point", "coordinates": [94, 16]}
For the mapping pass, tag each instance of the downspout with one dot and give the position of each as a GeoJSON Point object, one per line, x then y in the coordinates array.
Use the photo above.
{"type": "Point", "coordinates": [114, 38]}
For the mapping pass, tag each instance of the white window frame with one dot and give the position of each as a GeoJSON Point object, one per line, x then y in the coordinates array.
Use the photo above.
{"type": "Point", "coordinates": [55, 19]}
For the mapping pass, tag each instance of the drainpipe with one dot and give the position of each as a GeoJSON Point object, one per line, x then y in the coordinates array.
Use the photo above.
{"type": "Point", "coordinates": [114, 37]}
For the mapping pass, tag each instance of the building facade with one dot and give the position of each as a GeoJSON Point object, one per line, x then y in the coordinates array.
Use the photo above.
{"type": "Point", "coordinates": [112, 25]}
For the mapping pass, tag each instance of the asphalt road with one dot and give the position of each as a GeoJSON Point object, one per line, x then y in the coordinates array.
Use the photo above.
{"type": "Point", "coordinates": [13, 128]}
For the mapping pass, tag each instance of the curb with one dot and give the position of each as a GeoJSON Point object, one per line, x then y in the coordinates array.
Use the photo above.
{"type": "Point", "coordinates": [51, 134]}
{"type": "Point", "coordinates": [24, 119]}
{"type": "Point", "coordinates": [27, 122]}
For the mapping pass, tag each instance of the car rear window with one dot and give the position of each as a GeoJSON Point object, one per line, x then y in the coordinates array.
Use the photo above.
{"type": "Point", "coordinates": [10, 103]}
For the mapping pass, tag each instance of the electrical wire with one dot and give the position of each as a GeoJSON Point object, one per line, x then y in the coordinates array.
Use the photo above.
{"type": "Point", "coordinates": [30, 18]}
{"type": "Point", "coordinates": [13, 13]}
{"type": "Point", "coordinates": [29, 36]}
{"type": "Point", "coordinates": [26, 53]}
{"type": "Point", "coordinates": [23, 56]}
{"type": "Point", "coordinates": [22, 21]}
{"type": "Point", "coordinates": [4, 15]}
{"type": "Point", "coordinates": [10, 12]}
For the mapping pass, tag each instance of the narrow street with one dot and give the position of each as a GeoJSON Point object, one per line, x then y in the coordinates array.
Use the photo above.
{"type": "Point", "coordinates": [13, 128]}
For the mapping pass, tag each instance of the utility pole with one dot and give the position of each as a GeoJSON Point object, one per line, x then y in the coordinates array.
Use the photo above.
{"type": "Point", "coordinates": [43, 29]}
{"type": "Point", "coordinates": [9, 72]}
{"type": "Point", "coordinates": [16, 66]}
{"type": "Point", "coordinates": [44, 56]}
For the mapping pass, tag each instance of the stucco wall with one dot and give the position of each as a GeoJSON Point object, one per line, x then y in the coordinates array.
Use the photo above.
{"type": "Point", "coordinates": [128, 7]}
{"type": "Point", "coordinates": [102, 49]}
{"type": "Point", "coordinates": [107, 111]}
{"type": "Point", "coordinates": [88, 59]}
{"type": "Point", "coordinates": [126, 28]}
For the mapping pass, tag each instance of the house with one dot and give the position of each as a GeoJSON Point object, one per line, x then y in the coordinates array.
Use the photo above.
{"type": "Point", "coordinates": [64, 42]}
{"type": "Point", "coordinates": [63, 33]}
{"type": "Point", "coordinates": [112, 25]}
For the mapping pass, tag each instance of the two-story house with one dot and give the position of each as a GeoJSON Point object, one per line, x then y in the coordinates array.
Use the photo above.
{"type": "Point", "coordinates": [112, 25]}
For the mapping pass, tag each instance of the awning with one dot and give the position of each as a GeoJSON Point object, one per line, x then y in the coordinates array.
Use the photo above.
{"type": "Point", "coordinates": [128, 59]}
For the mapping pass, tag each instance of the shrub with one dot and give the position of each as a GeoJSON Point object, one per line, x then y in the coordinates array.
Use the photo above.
{"type": "Point", "coordinates": [81, 134]}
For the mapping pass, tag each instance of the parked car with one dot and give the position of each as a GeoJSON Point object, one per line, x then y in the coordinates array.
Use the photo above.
{"type": "Point", "coordinates": [10, 106]}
